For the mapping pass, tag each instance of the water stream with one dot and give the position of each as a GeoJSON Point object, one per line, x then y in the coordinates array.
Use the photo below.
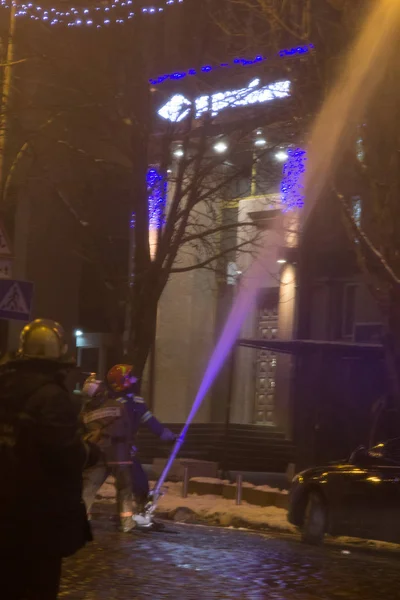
{"type": "Point", "coordinates": [333, 129]}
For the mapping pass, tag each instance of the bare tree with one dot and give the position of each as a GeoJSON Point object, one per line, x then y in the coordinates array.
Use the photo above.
{"type": "Point", "coordinates": [370, 155]}
{"type": "Point", "coordinates": [107, 130]}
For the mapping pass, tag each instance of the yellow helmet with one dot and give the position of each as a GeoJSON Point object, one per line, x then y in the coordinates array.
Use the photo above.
{"type": "Point", "coordinates": [43, 339]}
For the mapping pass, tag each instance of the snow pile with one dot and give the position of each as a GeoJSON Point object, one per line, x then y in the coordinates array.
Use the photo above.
{"type": "Point", "coordinates": [267, 488]}
{"type": "Point", "coordinates": [225, 511]}
{"type": "Point", "coordinates": [217, 510]}
{"type": "Point", "coordinates": [245, 484]}
{"type": "Point", "coordinates": [363, 543]}
{"type": "Point", "coordinates": [210, 480]}
{"type": "Point", "coordinates": [210, 508]}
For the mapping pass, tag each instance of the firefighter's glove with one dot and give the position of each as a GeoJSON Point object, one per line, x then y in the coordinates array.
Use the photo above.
{"type": "Point", "coordinates": [168, 435]}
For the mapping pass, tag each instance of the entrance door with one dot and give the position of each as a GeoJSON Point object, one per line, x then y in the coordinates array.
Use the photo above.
{"type": "Point", "coordinates": [264, 402]}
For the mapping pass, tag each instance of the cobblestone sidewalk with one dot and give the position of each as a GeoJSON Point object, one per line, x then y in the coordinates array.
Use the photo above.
{"type": "Point", "coordinates": [190, 563]}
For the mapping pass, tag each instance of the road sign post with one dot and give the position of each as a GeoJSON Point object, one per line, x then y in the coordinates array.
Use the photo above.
{"type": "Point", "coordinates": [6, 257]}
{"type": "Point", "coordinates": [5, 268]}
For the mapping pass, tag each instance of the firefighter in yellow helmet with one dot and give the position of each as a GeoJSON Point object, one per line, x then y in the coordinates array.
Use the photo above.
{"type": "Point", "coordinates": [42, 454]}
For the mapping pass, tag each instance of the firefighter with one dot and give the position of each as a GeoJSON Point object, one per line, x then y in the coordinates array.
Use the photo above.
{"type": "Point", "coordinates": [107, 424]}
{"type": "Point", "coordinates": [122, 380]}
{"type": "Point", "coordinates": [42, 456]}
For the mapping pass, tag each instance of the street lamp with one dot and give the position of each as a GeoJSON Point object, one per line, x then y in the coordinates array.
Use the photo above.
{"type": "Point", "coordinates": [281, 156]}
{"type": "Point", "coordinates": [178, 153]}
{"type": "Point", "coordinates": [259, 140]}
{"type": "Point", "coordinates": [220, 147]}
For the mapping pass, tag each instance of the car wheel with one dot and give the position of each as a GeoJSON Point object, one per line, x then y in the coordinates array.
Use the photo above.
{"type": "Point", "coordinates": [314, 526]}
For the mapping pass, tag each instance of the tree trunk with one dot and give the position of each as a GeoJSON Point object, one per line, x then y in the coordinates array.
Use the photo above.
{"type": "Point", "coordinates": [142, 333]}
{"type": "Point", "coordinates": [142, 306]}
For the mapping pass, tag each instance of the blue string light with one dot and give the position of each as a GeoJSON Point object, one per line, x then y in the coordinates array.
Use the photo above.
{"type": "Point", "coordinates": [292, 185]}
{"type": "Point", "coordinates": [108, 13]}
{"type": "Point", "coordinates": [296, 50]}
{"type": "Point", "coordinates": [243, 62]}
{"type": "Point", "coordinates": [157, 197]}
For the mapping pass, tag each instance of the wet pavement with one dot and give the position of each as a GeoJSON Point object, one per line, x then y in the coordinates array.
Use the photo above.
{"type": "Point", "coordinates": [187, 562]}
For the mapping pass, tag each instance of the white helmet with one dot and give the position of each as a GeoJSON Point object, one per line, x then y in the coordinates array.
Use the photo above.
{"type": "Point", "coordinates": [91, 386]}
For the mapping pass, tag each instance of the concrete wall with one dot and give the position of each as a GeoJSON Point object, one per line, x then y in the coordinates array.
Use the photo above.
{"type": "Point", "coordinates": [45, 255]}
{"type": "Point", "coordinates": [185, 336]}
{"type": "Point", "coordinates": [286, 331]}
{"type": "Point", "coordinates": [184, 339]}
{"type": "Point", "coordinates": [366, 310]}
{"type": "Point", "coordinates": [244, 381]}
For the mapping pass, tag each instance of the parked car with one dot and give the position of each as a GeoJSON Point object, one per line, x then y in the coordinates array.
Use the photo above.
{"type": "Point", "coordinates": [357, 498]}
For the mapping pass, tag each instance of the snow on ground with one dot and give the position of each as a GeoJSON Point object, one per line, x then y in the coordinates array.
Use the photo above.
{"type": "Point", "coordinates": [210, 480]}
{"type": "Point", "coordinates": [214, 508]}
{"type": "Point", "coordinates": [267, 488]}
{"type": "Point", "coordinates": [261, 488]}
{"type": "Point", "coordinates": [225, 511]}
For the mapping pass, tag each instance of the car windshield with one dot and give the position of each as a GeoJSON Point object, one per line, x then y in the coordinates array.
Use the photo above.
{"type": "Point", "coordinates": [389, 450]}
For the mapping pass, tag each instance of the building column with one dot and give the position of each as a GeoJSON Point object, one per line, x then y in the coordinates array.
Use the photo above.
{"type": "Point", "coordinates": [287, 323]}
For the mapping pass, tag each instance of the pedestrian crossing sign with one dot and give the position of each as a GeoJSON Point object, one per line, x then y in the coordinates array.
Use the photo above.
{"type": "Point", "coordinates": [15, 299]}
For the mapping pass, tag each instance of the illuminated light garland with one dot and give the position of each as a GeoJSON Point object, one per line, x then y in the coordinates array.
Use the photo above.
{"type": "Point", "coordinates": [157, 200]}
{"type": "Point", "coordinates": [292, 186]}
{"type": "Point", "coordinates": [236, 62]}
{"type": "Point", "coordinates": [114, 12]}
{"type": "Point", "coordinates": [157, 196]}
{"type": "Point", "coordinates": [178, 107]}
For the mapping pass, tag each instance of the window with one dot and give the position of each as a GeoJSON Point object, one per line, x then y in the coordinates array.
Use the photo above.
{"type": "Point", "coordinates": [349, 309]}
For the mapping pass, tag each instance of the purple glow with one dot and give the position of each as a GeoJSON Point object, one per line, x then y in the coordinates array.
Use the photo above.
{"type": "Point", "coordinates": [292, 197]}
{"type": "Point", "coordinates": [244, 303]}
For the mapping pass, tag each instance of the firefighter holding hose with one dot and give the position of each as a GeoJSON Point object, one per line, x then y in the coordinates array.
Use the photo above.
{"type": "Point", "coordinates": [121, 380]}
{"type": "Point", "coordinates": [107, 423]}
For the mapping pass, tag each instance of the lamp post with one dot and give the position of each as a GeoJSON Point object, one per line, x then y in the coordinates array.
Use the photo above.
{"type": "Point", "coordinates": [5, 100]}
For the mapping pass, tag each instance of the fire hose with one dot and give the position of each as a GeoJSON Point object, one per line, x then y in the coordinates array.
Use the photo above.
{"type": "Point", "coordinates": [155, 493]}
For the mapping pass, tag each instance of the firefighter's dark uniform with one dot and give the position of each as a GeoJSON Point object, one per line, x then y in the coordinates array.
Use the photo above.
{"type": "Point", "coordinates": [42, 456]}
{"type": "Point", "coordinates": [107, 424]}
{"type": "Point", "coordinates": [141, 415]}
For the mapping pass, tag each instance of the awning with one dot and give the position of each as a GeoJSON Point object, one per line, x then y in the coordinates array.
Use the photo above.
{"type": "Point", "coordinates": [301, 347]}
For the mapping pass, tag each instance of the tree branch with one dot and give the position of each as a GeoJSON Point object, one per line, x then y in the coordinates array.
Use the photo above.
{"type": "Point", "coordinates": [208, 232]}
{"type": "Point", "coordinates": [212, 259]}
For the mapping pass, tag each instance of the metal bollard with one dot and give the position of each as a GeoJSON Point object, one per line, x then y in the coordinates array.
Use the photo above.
{"type": "Point", "coordinates": [185, 482]}
{"type": "Point", "coordinates": [239, 481]}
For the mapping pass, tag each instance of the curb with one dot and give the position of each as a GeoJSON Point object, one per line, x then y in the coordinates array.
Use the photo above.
{"type": "Point", "coordinates": [250, 495]}
{"type": "Point", "coordinates": [182, 514]}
